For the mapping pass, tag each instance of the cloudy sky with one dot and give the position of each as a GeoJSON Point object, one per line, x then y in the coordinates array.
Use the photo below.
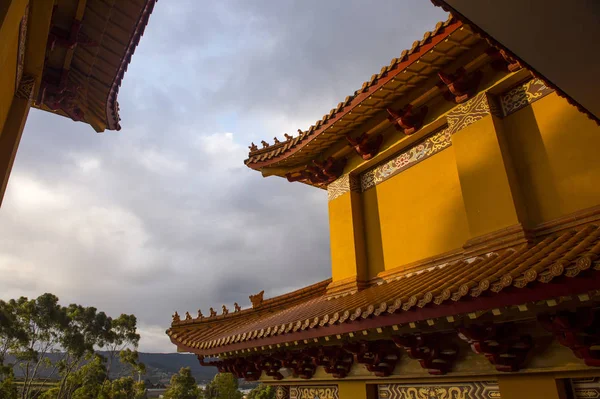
{"type": "Point", "coordinates": [164, 215]}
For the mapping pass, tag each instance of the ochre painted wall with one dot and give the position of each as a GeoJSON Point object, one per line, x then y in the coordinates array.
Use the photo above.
{"type": "Point", "coordinates": [416, 214]}
{"type": "Point", "coordinates": [543, 386]}
{"type": "Point", "coordinates": [346, 233]}
{"type": "Point", "coordinates": [555, 152]}
{"type": "Point", "coordinates": [9, 41]}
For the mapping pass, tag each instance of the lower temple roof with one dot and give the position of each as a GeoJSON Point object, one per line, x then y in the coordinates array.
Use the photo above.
{"type": "Point", "coordinates": [564, 263]}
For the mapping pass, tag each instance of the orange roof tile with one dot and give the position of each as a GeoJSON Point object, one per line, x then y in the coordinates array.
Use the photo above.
{"type": "Point", "coordinates": [567, 254]}
{"type": "Point", "coordinates": [306, 140]}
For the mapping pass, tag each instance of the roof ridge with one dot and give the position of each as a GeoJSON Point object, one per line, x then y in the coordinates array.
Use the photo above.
{"type": "Point", "coordinates": [293, 141]}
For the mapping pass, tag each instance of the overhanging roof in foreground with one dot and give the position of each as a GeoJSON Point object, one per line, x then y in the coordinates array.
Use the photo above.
{"type": "Point", "coordinates": [90, 46]}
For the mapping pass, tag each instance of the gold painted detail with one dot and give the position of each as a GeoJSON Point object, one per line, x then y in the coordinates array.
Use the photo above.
{"type": "Point", "coordinates": [21, 48]}
{"type": "Point", "coordinates": [470, 112]}
{"type": "Point", "coordinates": [586, 388]}
{"type": "Point", "coordinates": [523, 95]}
{"type": "Point", "coordinates": [25, 90]}
{"type": "Point", "coordinates": [423, 150]}
{"type": "Point", "coordinates": [314, 392]}
{"type": "Point", "coordinates": [469, 390]}
{"type": "Point", "coordinates": [281, 392]}
{"type": "Point", "coordinates": [341, 186]}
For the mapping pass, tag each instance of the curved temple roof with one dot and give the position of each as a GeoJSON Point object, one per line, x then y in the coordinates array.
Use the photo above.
{"type": "Point", "coordinates": [471, 284]}
{"type": "Point", "coordinates": [415, 65]}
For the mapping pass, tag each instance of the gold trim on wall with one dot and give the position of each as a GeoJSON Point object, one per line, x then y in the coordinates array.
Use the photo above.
{"type": "Point", "coordinates": [586, 388]}
{"type": "Point", "coordinates": [523, 95]}
{"type": "Point", "coordinates": [314, 392]}
{"type": "Point", "coordinates": [341, 186]}
{"type": "Point", "coordinates": [417, 153]}
{"type": "Point", "coordinates": [467, 390]}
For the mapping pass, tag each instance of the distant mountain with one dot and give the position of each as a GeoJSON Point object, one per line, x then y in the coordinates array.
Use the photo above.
{"type": "Point", "coordinates": [159, 367]}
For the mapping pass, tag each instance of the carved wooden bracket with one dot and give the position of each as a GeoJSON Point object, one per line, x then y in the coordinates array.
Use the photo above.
{"type": "Point", "coordinates": [407, 119]}
{"type": "Point", "coordinates": [502, 61]}
{"type": "Point", "coordinates": [242, 367]}
{"type": "Point", "coordinates": [334, 360]}
{"type": "Point", "coordinates": [500, 343]}
{"type": "Point", "coordinates": [321, 173]}
{"type": "Point", "coordinates": [578, 331]}
{"type": "Point", "coordinates": [302, 364]}
{"type": "Point", "coordinates": [379, 357]}
{"type": "Point", "coordinates": [331, 168]}
{"type": "Point", "coordinates": [58, 92]}
{"type": "Point", "coordinates": [461, 86]}
{"type": "Point", "coordinates": [271, 366]}
{"type": "Point", "coordinates": [365, 146]}
{"type": "Point", "coordinates": [68, 39]}
{"type": "Point", "coordinates": [430, 350]}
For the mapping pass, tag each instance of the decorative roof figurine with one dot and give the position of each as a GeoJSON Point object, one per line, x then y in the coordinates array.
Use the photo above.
{"type": "Point", "coordinates": [236, 307]}
{"type": "Point", "coordinates": [213, 313]}
{"type": "Point", "coordinates": [287, 136]}
{"type": "Point", "coordinates": [188, 316]}
{"type": "Point", "coordinates": [225, 310]}
{"type": "Point", "coordinates": [176, 318]}
{"type": "Point", "coordinates": [200, 315]}
{"type": "Point", "coordinates": [257, 299]}
{"type": "Point", "coordinates": [264, 144]}
{"type": "Point", "coordinates": [253, 147]}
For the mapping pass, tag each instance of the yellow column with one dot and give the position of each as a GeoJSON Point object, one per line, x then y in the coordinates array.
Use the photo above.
{"type": "Point", "coordinates": [357, 390]}
{"type": "Point", "coordinates": [10, 136]}
{"type": "Point", "coordinates": [346, 235]}
{"type": "Point", "coordinates": [488, 181]}
{"type": "Point", "coordinates": [531, 387]}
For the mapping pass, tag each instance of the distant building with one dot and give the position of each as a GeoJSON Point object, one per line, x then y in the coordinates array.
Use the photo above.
{"type": "Point", "coordinates": [464, 211]}
{"type": "Point", "coordinates": [67, 57]}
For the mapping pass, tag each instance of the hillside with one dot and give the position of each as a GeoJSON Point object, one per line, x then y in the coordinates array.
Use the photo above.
{"type": "Point", "coordinates": [159, 367]}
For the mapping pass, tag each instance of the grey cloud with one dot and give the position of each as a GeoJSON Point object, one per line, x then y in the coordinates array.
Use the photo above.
{"type": "Point", "coordinates": [163, 215]}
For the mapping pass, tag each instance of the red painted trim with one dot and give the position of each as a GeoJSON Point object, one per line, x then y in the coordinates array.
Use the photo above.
{"type": "Point", "coordinates": [356, 101]}
{"type": "Point", "coordinates": [510, 297]}
{"type": "Point", "coordinates": [112, 106]}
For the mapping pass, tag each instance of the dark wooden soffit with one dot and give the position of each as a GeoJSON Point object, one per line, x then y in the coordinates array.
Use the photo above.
{"type": "Point", "coordinates": [271, 155]}
{"type": "Point", "coordinates": [90, 47]}
{"type": "Point", "coordinates": [534, 68]}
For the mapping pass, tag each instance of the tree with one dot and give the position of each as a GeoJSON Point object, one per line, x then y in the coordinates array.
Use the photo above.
{"type": "Point", "coordinates": [48, 342]}
{"type": "Point", "coordinates": [223, 386]}
{"type": "Point", "coordinates": [183, 386]}
{"type": "Point", "coordinates": [262, 392]}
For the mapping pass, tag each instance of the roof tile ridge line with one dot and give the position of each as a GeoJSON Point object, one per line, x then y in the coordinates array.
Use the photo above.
{"type": "Point", "coordinates": [313, 288]}
{"type": "Point", "coordinates": [300, 293]}
{"type": "Point", "coordinates": [322, 124]}
{"type": "Point", "coordinates": [112, 107]}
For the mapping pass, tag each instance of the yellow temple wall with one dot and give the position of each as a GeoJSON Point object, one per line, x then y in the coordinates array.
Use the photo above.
{"type": "Point", "coordinates": [515, 172]}
{"type": "Point", "coordinates": [555, 152]}
{"type": "Point", "coordinates": [415, 214]}
{"type": "Point", "coordinates": [11, 13]}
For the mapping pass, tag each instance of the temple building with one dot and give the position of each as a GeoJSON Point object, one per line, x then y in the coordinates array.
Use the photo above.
{"type": "Point", "coordinates": [67, 57]}
{"type": "Point", "coordinates": [464, 211]}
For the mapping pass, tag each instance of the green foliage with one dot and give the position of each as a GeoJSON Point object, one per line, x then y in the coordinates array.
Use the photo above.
{"type": "Point", "coordinates": [262, 392]}
{"type": "Point", "coordinates": [223, 386]}
{"type": "Point", "coordinates": [33, 329]}
{"type": "Point", "coordinates": [183, 386]}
